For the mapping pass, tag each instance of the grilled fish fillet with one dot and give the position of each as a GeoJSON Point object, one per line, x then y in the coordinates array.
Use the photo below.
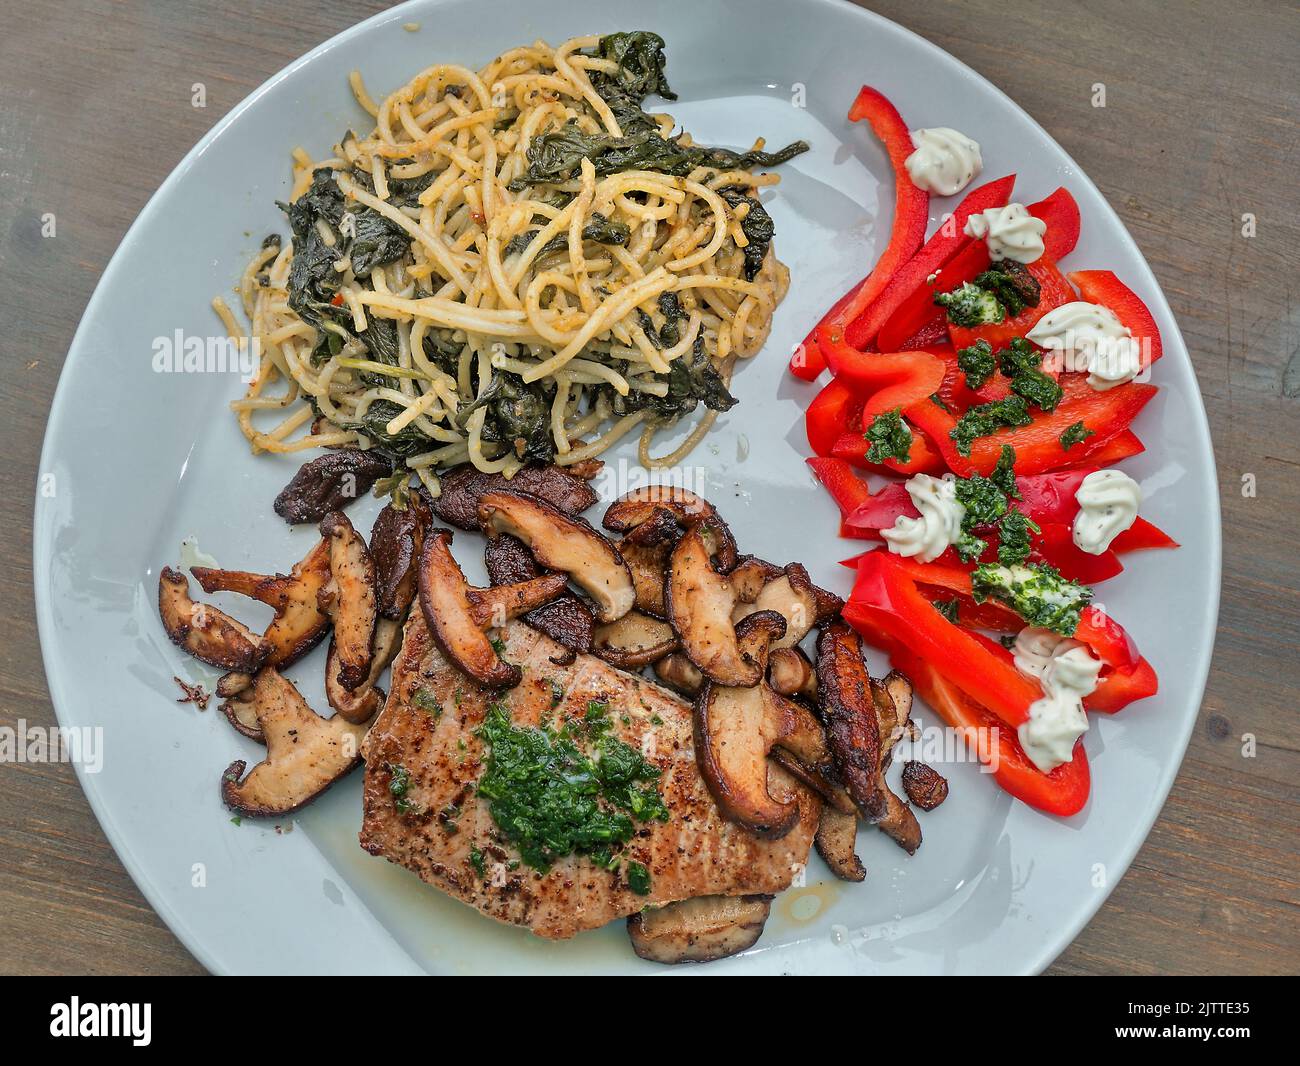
{"type": "Point", "coordinates": [696, 853]}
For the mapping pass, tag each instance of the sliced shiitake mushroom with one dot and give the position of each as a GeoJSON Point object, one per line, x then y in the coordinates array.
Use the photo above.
{"type": "Point", "coordinates": [848, 710]}
{"type": "Point", "coordinates": [698, 930]}
{"type": "Point", "coordinates": [735, 729]}
{"type": "Point", "coordinates": [646, 550]}
{"type": "Point", "coordinates": [640, 505]}
{"type": "Point", "coordinates": [395, 541]}
{"type": "Point", "coordinates": [329, 483]}
{"type": "Point", "coordinates": [802, 748]}
{"type": "Point", "coordinates": [240, 710]}
{"type": "Point", "coordinates": [836, 839]}
{"type": "Point", "coordinates": [205, 632]}
{"type": "Point", "coordinates": [924, 785]}
{"type": "Point", "coordinates": [350, 598]}
{"type": "Point", "coordinates": [463, 488]}
{"type": "Point", "coordinates": [361, 703]}
{"type": "Point", "coordinates": [494, 607]}
{"type": "Point", "coordinates": [299, 622]}
{"type": "Point", "coordinates": [700, 604]}
{"type": "Point", "coordinates": [790, 673]}
{"type": "Point", "coordinates": [567, 619]}
{"type": "Point", "coordinates": [566, 544]}
{"type": "Point", "coordinates": [892, 698]}
{"type": "Point", "coordinates": [634, 641]}
{"type": "Point", "coordinates": [679, 673]}
{"type": "Point", "coordinates": [445, 603]}
{"type": "Point", "coordinates": [305, 753]}
{"type": "Point", "coordinates": [791, 595]}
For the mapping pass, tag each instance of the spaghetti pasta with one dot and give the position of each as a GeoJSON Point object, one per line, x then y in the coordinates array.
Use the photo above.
{"type": "Point", "coordinates": [509, 261]}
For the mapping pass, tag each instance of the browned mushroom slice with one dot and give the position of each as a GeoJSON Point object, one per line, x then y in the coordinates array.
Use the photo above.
{"type": "Point", "coordinates": [361, 703]}
{"type": "Point", "coordinates": [329, 483]}
{"type": "Point", "coordinates": [566, 544]}
{"type": "Point", "coordinates": [203, 631]}
{"type": "Point", "coordinates": [828, 605]}
{"type": "Point", "coordinates": [801, 748]}
{"type": "Point", "coordinates": [750, 575]}
{"type": "Point", "coordinates": [567, 620]}
{"type": "Point", "coordinates": [893, 720]}
{"type": "Point", "coordinates": [646, 550]}
{"type": "Point", "coordinates": [240, 711]}
{"type": "Point", "coordinates": [848, 710]}
{"type": "Point", "coordinates": [700, 603]}
{"type": "Point", "coordinates": [678, 672]}
{"type": "Point", "coordinates": [790, 595]}
{"type": "Point", "coordinates": [836, 839]}
{"type": "Point", "coordinates": [494, 607]}
{"type": "Point", "coordinates": [444, 601]}
{"type": "Point", "coordinates": [395, 541]}
{"type": "Point", "coordinates": [299, 621]}
{"type": "Point", "coordinates": [640, 505]}
{"type": "Point", "coordinates": [733, 734]}
{"type": "Point", "coordinates": [464, 486]}
{"type": "Point", "coordinates": [350, 599]}
{"type": "Point", "coordinates": [924, 785]}
{"type": "Point", "coordinates": [634, 641]}
{"type": "Point", "coordinates": [702, 929]}
{"type": "Point", "coordinates": [305, 753]}
{"type": "Point", "coordinates": [791, 674]}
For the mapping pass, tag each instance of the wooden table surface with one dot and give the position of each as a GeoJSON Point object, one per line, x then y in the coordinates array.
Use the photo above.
{"type": "Point", "coordinates": [1198, 132]}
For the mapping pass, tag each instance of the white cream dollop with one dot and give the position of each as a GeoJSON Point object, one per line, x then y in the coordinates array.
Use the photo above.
{"type": "Point", "coordinates": [1067, 671]}
{"type": "Point", "coordinates": [944, 162]}
{"type": "Point", "coordinates": [1010, 232]}
{"type": "Point", "coordinates": [1108, 505]}
{"type": "Point", "coordinates": [939, 524]}
{"type": "Point", "coordinates": [1089, 337]}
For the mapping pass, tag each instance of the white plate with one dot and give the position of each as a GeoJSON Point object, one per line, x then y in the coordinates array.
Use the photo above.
{"type": "Point", "coordinates": [142, 459]}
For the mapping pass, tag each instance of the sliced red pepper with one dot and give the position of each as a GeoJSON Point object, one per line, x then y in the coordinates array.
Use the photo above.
{"type": "Point", "coordinates": [1105, 637]}
{"type": "Point", "coordinates": [1103, 287]}
{"type": "Point", "coordinates": [1109, 452]}
{"type": "Point", "coordinates": [846, 488]}
{"type": "Point", "coordinates": [1142, 535]}
{"type": "Point", "coordinates": [918, 311]}
{"type": "Point", "coordinates": [1116, 689]}
{"type": "Point", "coordinates": [922, 457]}
{"type": "Point", "coordinates": [1038, 445]}
{"type": "Point", "coordinates": [887, 596]}
{"type": "Point", "coordinates": [833, 411]}
{"type": "Point", "coordinates": [945, 243]}
{"type": "Point", "coordinates": [911, 216]}
{"type": "Point", "coordinates": [1061, 213]}
{"type": "Point", "coordinates": [1064, 791]}
{"type": "Point", "coordinates": [1054, 291]}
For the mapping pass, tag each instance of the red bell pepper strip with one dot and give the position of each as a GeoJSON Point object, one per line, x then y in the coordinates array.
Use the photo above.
{"type": "Point", "coordinates": [918, 311]}
{"type": "Point", "coordinates": [887, 596]}
{"type": "Point", "coordinates": [945, 242]}
{"type": "Point", "coordinates": [1103, 287]}
{"type": "Point", "coordinates": [846, 488]}
{"type": "Point", "coordinates": [1141, 536]}
{"type": "Point", "coordinates": [1105, 637]}
{"type": "Point", "coordinates": [1038, 445]}
{"type": "Point", "coordinates": [1054, 291]}
{"type": "Point", "coordinates": [1064, 791]}
{"type": "Point", "coordinates": [911, 216]}
{"type": "Point", "coordinates": [1061, 213]}
{"type": "Point", "coordinates": [1116, 689]}
{"type": "Point", "coordinates": [1109, 452]}
{"type": "Point", "coordinates": [833, 411]}
{"type": "Point", "coordinates": [922, 458]}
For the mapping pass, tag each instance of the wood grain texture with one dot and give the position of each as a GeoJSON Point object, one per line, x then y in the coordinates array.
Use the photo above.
{"type": "Point", "coordinates": [1199, 129]}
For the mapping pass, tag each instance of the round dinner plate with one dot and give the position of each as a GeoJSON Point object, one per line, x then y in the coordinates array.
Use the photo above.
{"type": "Point", "coordinates": [141, 459]}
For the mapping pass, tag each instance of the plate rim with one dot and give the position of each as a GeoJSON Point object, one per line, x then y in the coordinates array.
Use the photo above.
{"type": "Point", "coordinates": [42, 549]}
